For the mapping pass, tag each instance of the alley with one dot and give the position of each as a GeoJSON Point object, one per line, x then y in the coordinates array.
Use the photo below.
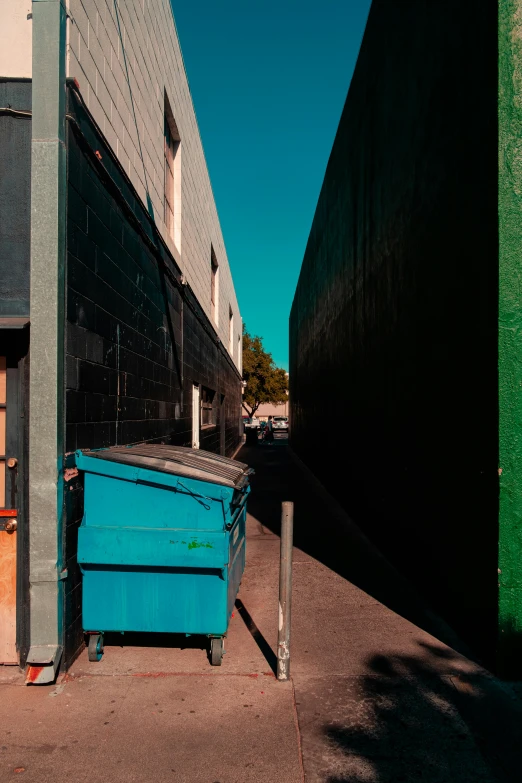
{"type": "Point", "coordinates": [253, 257]}
{"type": "Point", "coordinates": [376, 693]}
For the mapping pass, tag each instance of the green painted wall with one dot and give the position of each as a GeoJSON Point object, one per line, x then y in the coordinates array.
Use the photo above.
{"type": "Point", "coordinates": [510, 336]}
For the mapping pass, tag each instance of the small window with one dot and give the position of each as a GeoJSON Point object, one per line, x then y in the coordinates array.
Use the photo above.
{"type": "Point", "coordinates": [172, 199]}
{"type": "Point", "coordinates": [230, 330]}
{"type": "Point", "coordinates": [207, 407]}
{"type": "Point", "coordinates": [214, 286]}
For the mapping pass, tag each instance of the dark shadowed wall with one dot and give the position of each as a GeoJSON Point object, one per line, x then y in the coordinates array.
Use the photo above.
{"type": "Point", "coordinates": [15, 196]}
{"type": "Point", "coordinates": [394, 319]}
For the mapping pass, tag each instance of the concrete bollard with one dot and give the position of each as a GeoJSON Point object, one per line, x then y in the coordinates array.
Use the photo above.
{"type": "Point", "coordinates": [285, 591]}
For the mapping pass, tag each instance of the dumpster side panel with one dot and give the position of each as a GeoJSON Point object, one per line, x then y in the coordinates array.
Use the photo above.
{"type": "Point", "coordinates": [236, 562]}
{"type": "Point", "coordinates": [146, 547]}
{"type": "Point", "coordinates": [154, 601]}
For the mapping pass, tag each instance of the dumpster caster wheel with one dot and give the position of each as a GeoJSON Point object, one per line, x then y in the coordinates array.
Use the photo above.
{"type": "Point", "coordinates": [95, 647]}
{"type": "Point", "coordinates": [217, 648]}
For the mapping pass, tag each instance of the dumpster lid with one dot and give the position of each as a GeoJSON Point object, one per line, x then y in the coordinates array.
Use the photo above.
{"type": "Point", "coordinates": [182, 461]}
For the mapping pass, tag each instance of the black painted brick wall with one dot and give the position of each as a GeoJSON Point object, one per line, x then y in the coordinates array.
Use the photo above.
{"type": "Point", "coordinates": [15, 198]}
{"type": "Point", "coordinates": [394, 320]}
{"type": "Point", "coordinates": [136, 341]}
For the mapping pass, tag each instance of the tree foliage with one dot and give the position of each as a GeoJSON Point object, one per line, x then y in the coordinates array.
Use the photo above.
{"type": "Point", "coordinates": [264, 381]}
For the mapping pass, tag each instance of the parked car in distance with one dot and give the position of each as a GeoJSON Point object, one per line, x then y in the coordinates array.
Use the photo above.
{"type": "Point", "coordinates": [280, 423]}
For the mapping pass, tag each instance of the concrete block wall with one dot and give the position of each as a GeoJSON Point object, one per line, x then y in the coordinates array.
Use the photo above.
{"type": "Point", "coordinates": [126, 57]}
{"type": "Point", "coordinates": [395, 313]}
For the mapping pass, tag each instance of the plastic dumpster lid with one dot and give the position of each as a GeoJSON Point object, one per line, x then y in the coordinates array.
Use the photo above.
{"type": "Point", "coordinates": [182, 461]}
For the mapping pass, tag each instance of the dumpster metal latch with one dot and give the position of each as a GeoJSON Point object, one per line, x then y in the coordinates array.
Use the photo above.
{"type": "Point", "coordinates": [196, 497]}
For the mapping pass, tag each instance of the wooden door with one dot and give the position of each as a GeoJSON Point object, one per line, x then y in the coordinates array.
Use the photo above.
{"type": "Point", "coordinates": [8, 533]}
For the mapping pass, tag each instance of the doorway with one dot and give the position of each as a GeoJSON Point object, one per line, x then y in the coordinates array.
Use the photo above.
{"type": "Point", "coordinates": [195, 416]}
{"type": "Point", "coordinates": [13, 364]}
{"type": "Point", "coordinates": [222, 426]}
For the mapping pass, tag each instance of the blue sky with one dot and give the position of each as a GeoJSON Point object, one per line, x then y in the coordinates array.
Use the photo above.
{"type": "Point", "coordinates": [268, 79]}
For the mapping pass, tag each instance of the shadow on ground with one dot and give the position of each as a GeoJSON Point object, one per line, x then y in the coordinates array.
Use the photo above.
{"type": "Point", "coordinates": [267, 652]}
{"type": "Point", "coordinates": [167, 640]}
{"type": "Point", "coordinates": [405, 722]}
{"type": "Point", "coordinates": [337, 543]}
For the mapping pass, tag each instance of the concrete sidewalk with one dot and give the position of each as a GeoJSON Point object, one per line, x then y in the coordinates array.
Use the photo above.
{"type": "Point", "coordinates": [381, 690]}
{"type": "Point", "coordinates": [384, 690]}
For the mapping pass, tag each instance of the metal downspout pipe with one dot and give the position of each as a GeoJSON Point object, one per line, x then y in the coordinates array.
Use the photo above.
{"type": "Point", "coordinates": [46, 423]}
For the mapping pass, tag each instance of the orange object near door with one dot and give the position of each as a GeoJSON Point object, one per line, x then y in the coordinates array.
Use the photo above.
{"type": "Point", "coordinates": [8, 652]}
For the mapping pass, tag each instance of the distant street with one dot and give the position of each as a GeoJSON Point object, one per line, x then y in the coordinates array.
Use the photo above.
{"type": "Point", "coordinates": [281, 438]}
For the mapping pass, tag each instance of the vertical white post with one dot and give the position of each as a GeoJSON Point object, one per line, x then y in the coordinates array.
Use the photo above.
{"type": "Point", "coordinates": [285, 591]}
{"type": "Point", "coordinates": [195, 416]}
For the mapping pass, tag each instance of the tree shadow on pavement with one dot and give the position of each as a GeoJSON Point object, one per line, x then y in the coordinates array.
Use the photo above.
{"type": "Point", "coordinates": [405, 721]}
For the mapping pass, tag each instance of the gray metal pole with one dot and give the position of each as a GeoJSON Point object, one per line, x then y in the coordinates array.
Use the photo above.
{"type": "Point", "coordinates": [285, 591]}
{"type": "Point", "coordinates": [47, 385]}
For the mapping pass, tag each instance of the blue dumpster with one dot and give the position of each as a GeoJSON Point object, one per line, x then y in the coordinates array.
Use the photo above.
{"type": "Point", "coordinates": [162, 542]}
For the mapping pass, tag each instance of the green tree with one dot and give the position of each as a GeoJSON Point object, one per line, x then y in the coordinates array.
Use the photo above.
{"type": "Point", "coordinates": [264, 381]}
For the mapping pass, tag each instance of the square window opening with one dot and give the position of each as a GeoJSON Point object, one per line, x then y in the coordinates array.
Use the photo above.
{"type": "Point", "coordinates": [230, 330]}
{"type": "Point", "coordinates": [214, 286]}
{"type": "Point", "coordinates": [172, 184]}
{"type": "Point", "coordinates": [208, 410]}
